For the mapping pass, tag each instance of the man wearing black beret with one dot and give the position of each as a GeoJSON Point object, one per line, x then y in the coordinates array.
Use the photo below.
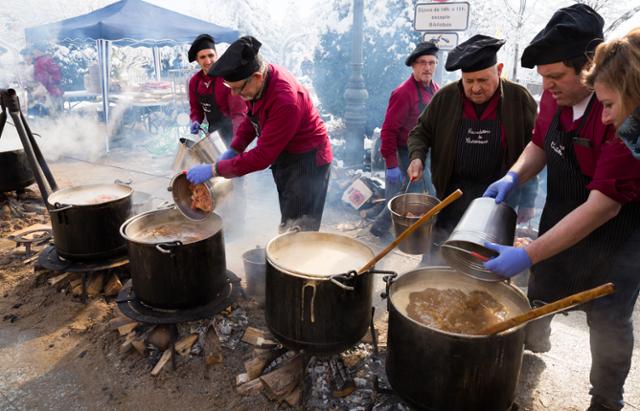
{"type": "Point", "coordinates": [208, 97]}
{"type": "Point", "coordinates": [292, 138]}
{"type": "Point", "coordinates": [590, 226]}
{"type": "Point", "coordinates": [406, 103]}
{"type": "Point", "coordinates": [475, 130]}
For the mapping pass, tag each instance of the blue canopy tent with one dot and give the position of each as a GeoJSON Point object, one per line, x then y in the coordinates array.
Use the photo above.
{"type": "Point", "coordinates": [127, 23]}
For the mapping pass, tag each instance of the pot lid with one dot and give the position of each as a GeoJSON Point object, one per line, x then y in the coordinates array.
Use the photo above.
{"type": "Point", "coordinates": [316, 254]}
{"type": "Point", "coordinates": [167, 226]}
{"type": "Point", "coordinates": [90, 194]}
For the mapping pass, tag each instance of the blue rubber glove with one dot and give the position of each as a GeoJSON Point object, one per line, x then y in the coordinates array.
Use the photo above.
{"type": "Point", "coordinates": [500, 189]}
{"type": "Point", "coordinates": [195, 127]}
{"type": "Point", "coordinates": [228, 154]}
{"type": "Point", "coordinates": [511, 261]}
{"type": "Point", "coordinates": [200, 173]}
{"type": "Point", "coordinates": [394, 175]}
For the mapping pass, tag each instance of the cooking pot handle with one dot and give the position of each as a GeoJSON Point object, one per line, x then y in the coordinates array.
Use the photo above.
{"type": "Point", "coordinates": [61, 207]}
{"type": "Point", "coordinates": [388, 279]}
{"type": "Point", "coordinates": [353, 273]}
{"type": "Point", "coordinates": [123, 182]}
{"type": "Point", "coordinates": [160, 247]}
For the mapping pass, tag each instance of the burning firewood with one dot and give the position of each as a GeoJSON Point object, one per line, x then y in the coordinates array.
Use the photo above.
{"type": "Point", "coordinates": [342, 380]}
{"type": "Point", "coordinates": [184, 344]}
{"type": "Point", "coordinates": [279, 383]}
{"type": "Point", "coordinates": [113, 286]}
{"type": "Point", "coordinates": [250, 388]}
{"type": "Point", "coordinates": [256, 365]}
{"type": "Point", "coordinates": [166, 356]}
{"type": "Point", "coordinates": [94, 284]}
{"type": "Point", "coordinates": [211, 346]}
{"type": "Point", "coordinates": [258, 338]}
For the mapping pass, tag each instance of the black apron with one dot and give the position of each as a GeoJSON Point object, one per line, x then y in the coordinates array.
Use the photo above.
{"type": "Point", "coordinates": [586, 264]}
{"type": "Point", "coordinates": [216, 119]}
{"type": "Point", "coordinates": [478, 163]}
{"type": "Point", "coordinates": [302, 189]}
{"type": "Point", "coordinates": [429, 91]}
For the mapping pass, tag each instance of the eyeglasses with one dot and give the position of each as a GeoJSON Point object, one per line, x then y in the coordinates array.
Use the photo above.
{"type": "Point", "coordinates": [425, 63]}
{"type": "Point", "coordinates": [238, 90]}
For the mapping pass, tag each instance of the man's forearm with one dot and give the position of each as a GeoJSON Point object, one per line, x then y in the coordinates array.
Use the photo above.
{"type": "Point", "coordinates": [530, 163]}
{"type": "Point", "coordinates": [575, 226]}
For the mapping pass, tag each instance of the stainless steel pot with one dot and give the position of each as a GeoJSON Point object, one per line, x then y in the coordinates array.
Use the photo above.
{"type": "Point", "coordinates": [193, 152]}
{"type": "Point", "coordinates": [443, 371]}
{"type": "Point", "coordinates": [483, 220]}
{"type": "Point", "coordinates": [85, 220]}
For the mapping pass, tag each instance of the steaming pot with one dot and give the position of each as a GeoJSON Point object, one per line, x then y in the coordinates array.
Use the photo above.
{"type": "Point", "coordinates": [444, 371]}
{"type": "Point", "coordinates": [175, 263]}
{"type": "Point", "coordinates": [311, 303]}
{"type": "Point", "coordinates": [16, 172]}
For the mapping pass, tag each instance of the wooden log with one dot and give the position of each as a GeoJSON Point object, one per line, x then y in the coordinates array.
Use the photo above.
{"type": "Point", "coordinates": [211, 347]}
{"type": "Point", "coordinates": [279, 383]}
{"type": "Point", "coordinates": [250, 388]}
{"type": "Point", "coordinates": [257, 364]}
{"type": "Point", "coordinates": [74, 283]}
{"type": "Point", "coordinates": [113, 286]}
{"type": "Point", "coordinates": [242, 378]}
{"type": "Point", "coordinates": [127, 344]}
{"type": "Point", "coordinates": [127, 328]}
{"type": "Point", "coordinates": [53, 281]}
{"type": "Point", "coordinates": [257, 338]}
{"type": "Point", "coordinates": [294, 397]}
{"type": "Point", "coordinates": [94, 284]}
{"type": "Point", "coordinates": [342, 381]}
{"type": "Point", "coordinates": [184, 344]}
{"type": "Point", "coordinates": [160, 336]}
{"type": "Point", "coordinates": [166, 356]}
{"type": "Point", "coordinates": [77, 290]}
{"type": "Point", "coordinates": [119, 321]}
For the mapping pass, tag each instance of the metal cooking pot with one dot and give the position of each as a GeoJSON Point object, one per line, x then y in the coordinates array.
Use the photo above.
{"type": "Point", "coordinates": [16, 173]}
{"type": "Point", "coordinates": [311, 301]}
{"type": "Point", "coordinates": [482, 221]}
{"type": "Point", "coordinates": [85, 220]}
{"type": "Point", "coordinates": [206, 150]}
{"type": "Point", "coordinates": [443, 371]}
{"type": "Point", "coordinates": [174, 262]}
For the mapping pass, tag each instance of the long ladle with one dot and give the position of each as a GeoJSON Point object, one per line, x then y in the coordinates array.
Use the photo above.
{"type": "Point", "coordinates": [551, 308]}
{"type": "Point", "coordinates": [413, 227]}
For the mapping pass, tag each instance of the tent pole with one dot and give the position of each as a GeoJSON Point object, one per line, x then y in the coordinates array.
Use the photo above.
{"type": "Point", "coordinates": [156, 62]}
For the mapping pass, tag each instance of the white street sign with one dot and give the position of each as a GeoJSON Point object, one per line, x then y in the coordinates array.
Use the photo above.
{"type": "Point", "coordinates": [441, 16]}
{"type": "Point", "coordinates": [444, 41]}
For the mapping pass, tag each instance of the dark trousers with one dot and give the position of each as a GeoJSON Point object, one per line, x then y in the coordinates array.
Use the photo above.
{"type": "Point", "coordinates": [302, 191]}
{"type": "Point", "coordinates": [610, 327]}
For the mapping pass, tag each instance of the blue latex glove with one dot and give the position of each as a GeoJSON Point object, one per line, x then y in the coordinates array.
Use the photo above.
{"type": "Point", "coordinates": [195, 127]}
{"type": "Point", "coordinates": [511, 261]}
{"type": "Point", "coordinates": [500, 189]}
{"type": "Point", "coordinates": [200, 173]}
{"type": "Point", "coordinates": [394, 175]}
{"type": "Point", "coordinates": [228, 154]}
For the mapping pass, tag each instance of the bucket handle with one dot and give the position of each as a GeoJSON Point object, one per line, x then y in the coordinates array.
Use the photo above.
{"type": "Point", "coordinates": [348, 276]}
{"type": "Point", "coordinates": [424, 186]}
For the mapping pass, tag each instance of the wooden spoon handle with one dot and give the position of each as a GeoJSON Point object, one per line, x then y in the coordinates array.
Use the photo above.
{"type": "Point", "coordinates": [413, 227]}
{"type": "Point", "coordinates": [552, 308]}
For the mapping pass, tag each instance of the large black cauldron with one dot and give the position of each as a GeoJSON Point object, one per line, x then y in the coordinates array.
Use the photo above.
{"type": "Point", "coordinates": [175, 263]}
{"type": "Point", "coordinates": [16, 173]}
{"type": "Point", "coordinates": [307, 307]}
{"type": "Point", "coordinates": [442, 371]}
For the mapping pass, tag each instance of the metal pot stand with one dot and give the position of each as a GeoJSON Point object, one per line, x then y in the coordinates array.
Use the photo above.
{"type": "Point", "coordinates": [51, 260]}
{"type": "Point", "coordinates": [132, 307]}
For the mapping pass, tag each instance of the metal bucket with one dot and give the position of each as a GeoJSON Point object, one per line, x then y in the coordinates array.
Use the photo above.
{"type": "Point", "coordinates": [483, 221]}
{"type": "Point", "coordinates": [255, 268]}
{"type": "Point", "coordinates": [416, 204]}
{"type": "Point", "coordinates": [206, 150]}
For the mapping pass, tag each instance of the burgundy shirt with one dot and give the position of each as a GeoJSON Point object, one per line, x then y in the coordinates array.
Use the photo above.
{"type": "Point", "coordinates": [288, 121]}
{"type": "Point", "coordinates": [490, 111]}
{"type": "Point", "coordinates": [401, 117]}
{"type": "Point", "coordinates": [613, 170]}
{"type": "Point", "coordinates": [47, 72]}
{"type": "Point", "coordinates": [229, 105]}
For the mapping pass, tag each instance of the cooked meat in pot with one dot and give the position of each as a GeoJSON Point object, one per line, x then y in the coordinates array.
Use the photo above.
{"type": "Point", "coordinates": [200, 198]}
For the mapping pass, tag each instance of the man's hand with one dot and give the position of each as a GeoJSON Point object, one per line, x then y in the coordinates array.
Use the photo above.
{"type": "Point", "coordinates": [500, 189]}
{"type": "Point", "coordinates": [415, 170]}
{"type": "Point", "coordinates": [394, 175]}
{"type": "Point", "coordinates": [200, 173]}
{"type": "Point", "coordinates": [509, 262]}
{"type": "Point", "coordinates": [195, 127]}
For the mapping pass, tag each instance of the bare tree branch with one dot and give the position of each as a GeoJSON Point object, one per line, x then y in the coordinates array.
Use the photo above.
{"type": "Point", "coordinates": [624, 17]}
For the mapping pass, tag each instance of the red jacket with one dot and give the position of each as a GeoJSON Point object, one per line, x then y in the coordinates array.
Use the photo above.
{"type": "Point", "coordinates": [47, 72]}
{"type": "Point", "coordinates": [613, 170]}
{"type": "Point", "coordinates": [231, 106]}
{"type": "Point", "coordinates": [401, 117]}
{"type": "Point", "coordinates": [288, 122]}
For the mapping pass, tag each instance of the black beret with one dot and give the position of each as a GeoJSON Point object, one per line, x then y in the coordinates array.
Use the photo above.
{"type": "Point", "coordinates": [425, 48]}
{"type": "Point", "coordinates": [239, 61]}
{"type": "Point", "coordinates": [571, 32]}
{"type": "Point", "coordinates": [202, 42]}
{"type": "Point", "coordinates": [477, 53]}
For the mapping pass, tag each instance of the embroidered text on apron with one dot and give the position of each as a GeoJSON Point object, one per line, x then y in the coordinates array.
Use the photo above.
{"type": "Point", "coordinates": [216, 119]}
{"type": "Point", "coordinates": [478, 162]}
{"type": "Point", "coordinates": [584, 265]}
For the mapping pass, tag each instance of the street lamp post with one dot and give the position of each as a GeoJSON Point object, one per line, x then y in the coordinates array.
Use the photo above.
{"type": "Point", "coordinates": [356, 94]}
